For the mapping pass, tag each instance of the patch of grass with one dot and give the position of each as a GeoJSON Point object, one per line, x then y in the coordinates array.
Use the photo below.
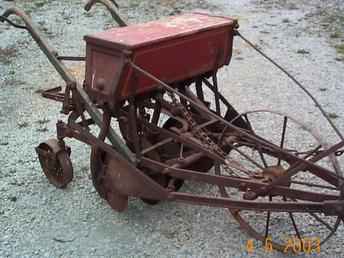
{"type": "Point", "coordinates": [333, 115]}
{"type": "Point", "coordinates": [13, 198]}
{"type": "Point", "coordinates": [40, 3]}
{"type": "Point", "coordinates": [292, 6]}
{"type": "Point", "coordinates": [43, 121]}
{"type": "Point", "coordinates": [335, 21]}
{"type": "Point", "coordinates": [22, 125]}
{"type": "Point", "coordinates": [336, 35]}
{"type": "Point", "coordinates": [13, 82]}
{"type": "Point", "coordinates": [340, 49]}
{"type": "Point", "coordinates": [302, 51]}
{"type": "Point", "coordinates": [43, 129]}
{"type": "Point", "coordinates": [39, 91]}
{"type": "Point", "coordinates": [85, 169]}
{"type": "Point", "coordinates": [89, 14]}
{"type": "Point", "coordinates": [239, 58]}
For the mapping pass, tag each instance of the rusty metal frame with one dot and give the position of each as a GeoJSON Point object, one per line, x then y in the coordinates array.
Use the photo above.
{"type": "Point", "coordinates": [133, 159]}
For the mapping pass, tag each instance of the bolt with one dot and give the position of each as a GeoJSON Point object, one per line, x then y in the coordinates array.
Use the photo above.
{"type": "Point", "coordinates": [101, 84]}
{"type": "Point", "coordinates": [250, 195]}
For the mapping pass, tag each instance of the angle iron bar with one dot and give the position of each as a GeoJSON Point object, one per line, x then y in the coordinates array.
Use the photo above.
{"type": "Point", "coordinates": [239, 183]}
{"type": "Point", "coordinates": [301, 207]}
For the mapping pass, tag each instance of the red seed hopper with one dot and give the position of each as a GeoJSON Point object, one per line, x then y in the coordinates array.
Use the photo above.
{"type": "Point", "coordinates": [174, 49]}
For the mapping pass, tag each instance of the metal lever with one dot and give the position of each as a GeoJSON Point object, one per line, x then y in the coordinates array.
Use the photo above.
{"type": "Point", "coordinates": [5, 19]}
{"type": "Point", "coordinates": [109, 5]}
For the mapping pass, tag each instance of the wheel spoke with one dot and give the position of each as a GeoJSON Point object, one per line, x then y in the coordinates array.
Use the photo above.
{"type": "Point", "coordinates": [223, 191]}
{"type": "Point", "coordinates": [247, 157]}
{"type": "Point", "coordinates": [285, 121]}
{"type": "Point", "coordinates": [319, 219]}
{"type": "Point", "coordinates": [294, 225]}
{"type": "Point", "coordinates": [293, 221]}
{"type": "Point", "coordinates": [333, 231]}
{"type": "Point", "coordinates": [232, 172]}
{"type": "Point", "coordinates": [259, 149]}
{"type": "Point", "coordinates": [322, 221]}
{"type": "Point", "coordinates": [313, 185]}
{"type": "Point", "coordinates": [267, 224]}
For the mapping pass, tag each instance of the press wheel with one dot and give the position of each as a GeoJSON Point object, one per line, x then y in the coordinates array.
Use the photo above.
{"type": "Point", "coordinates": [103, 179]}
{"type": "Point", "coordinates": [55, 162]}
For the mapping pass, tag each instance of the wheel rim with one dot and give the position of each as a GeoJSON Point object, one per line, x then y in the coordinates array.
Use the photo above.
{"type": "Point", "coordinates": [264, 226]}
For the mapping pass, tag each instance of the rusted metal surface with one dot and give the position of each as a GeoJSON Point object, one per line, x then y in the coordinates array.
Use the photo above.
{"type": "Point", "coordinates": [204, 42]}
{"type": "Point", "coordinates": [151, 79]}
{"type": "Point", "coordinates": [55, 162]}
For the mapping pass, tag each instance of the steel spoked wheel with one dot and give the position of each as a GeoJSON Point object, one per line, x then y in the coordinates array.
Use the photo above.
{"type": "Point", "coordinates": [55, 162]}
{"type": "Point", "coordinates": [285, 231]}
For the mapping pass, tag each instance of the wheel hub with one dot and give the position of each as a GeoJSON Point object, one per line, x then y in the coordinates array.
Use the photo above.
{"type": "Point", "coordinates": [271, 174]}
{"type": "Point", "coordinates": [267, 176]}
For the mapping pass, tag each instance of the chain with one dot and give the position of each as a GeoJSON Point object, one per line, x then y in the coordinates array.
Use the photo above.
{"type": "Point", "coordinates": [201, 134]}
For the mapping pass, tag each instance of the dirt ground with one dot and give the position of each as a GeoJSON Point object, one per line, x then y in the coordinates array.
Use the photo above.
{"type": "Point", "coordinates": [38, 220]}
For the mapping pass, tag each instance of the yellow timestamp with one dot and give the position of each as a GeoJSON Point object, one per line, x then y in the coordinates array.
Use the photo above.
{"type": "Point", "coordinates": [293, 244]}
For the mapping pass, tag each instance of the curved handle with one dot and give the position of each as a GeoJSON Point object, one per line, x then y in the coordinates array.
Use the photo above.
{"type": "Point", "coordinates": [50, 52]}
{"type": "Point", "coordinates": [115, 3]}
{"type": "Point", "coordinates": [108, 4]}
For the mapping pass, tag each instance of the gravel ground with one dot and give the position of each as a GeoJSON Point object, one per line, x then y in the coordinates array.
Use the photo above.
{"type": "Point", "coordinates": [37, 220]}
